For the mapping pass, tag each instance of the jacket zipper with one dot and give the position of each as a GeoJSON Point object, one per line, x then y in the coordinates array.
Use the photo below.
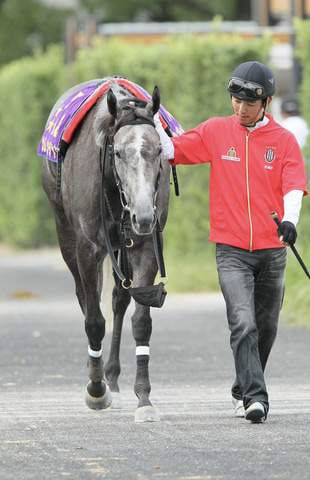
{"type": "Point", "coordinates": [248, 188]}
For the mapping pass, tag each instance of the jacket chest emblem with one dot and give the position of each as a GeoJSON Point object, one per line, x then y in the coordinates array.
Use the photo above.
{"type": "Point", "coordinates": [231, 155]}
{"type": "Point", "coordinates": [270, 156]}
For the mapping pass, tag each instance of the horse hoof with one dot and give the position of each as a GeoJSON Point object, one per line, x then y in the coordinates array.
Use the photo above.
{"type": "Point", "coordinates": [146, 414]}
{"type": "Point", "coordinates": [117, 401]}
{"type": "Point", "coordinates": [98, 403]}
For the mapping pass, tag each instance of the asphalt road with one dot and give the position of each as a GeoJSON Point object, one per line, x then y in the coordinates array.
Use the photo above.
{"type": "Point", "coordinates": [47, 432]}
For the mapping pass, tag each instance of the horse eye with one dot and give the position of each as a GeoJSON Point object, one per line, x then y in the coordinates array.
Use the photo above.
{"type": "Point", "coordinates": [116, 153]}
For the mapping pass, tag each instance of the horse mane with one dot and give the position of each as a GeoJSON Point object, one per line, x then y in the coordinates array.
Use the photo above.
{"type": "Point", "coordinates": [103, 126]}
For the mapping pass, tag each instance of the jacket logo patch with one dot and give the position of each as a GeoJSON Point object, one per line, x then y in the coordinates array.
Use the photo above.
{"type": "Point", "coordinates": [270, 155]}
{"type": "Point", "coordinates": [231, 155]}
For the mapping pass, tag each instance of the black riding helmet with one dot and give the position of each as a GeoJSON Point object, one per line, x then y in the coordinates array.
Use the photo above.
{"type": "Point", "coordinates": [252, 81]}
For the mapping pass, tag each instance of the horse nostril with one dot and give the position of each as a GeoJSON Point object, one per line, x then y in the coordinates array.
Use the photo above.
{"type": "Point", "coordinates": [142, 224]}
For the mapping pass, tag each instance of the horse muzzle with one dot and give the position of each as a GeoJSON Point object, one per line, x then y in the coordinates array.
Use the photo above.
{"type": "Point", "coordinates": [144, 223]}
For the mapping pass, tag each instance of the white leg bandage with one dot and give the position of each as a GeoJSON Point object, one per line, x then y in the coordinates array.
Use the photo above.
{"type": "Point", "coordinates": [94, 353]}
{"type": "Point", "coordinates": [142, 350]}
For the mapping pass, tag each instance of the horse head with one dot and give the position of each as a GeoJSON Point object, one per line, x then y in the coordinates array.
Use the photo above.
{"type": "Point", "coordinates": [137, 151]}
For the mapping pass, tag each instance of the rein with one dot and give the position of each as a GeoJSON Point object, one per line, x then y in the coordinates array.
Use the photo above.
{"type": "Point", "coordinates": [153, 295]}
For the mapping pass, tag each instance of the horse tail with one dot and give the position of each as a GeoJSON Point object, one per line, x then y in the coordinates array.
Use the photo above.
{"type": "Point", "coordinates": [107, 289]}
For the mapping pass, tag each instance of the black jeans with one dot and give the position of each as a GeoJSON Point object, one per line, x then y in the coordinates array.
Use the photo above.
{"type": "Point", "coordinates": [253, 285]}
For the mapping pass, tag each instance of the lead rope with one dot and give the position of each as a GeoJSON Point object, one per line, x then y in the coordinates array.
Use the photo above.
{"type": "Point", "coordinates": [157, 240]}
{"type": "Point", "coordinates": [103, 154]}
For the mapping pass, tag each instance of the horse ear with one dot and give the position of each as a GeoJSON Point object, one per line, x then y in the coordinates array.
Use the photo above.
{"type": "Point", "coordinates": [156, 99]}
{"type": "Point", "coordinates": [154, 103]}
{"type": "Point", "coordinates": [112, 103]}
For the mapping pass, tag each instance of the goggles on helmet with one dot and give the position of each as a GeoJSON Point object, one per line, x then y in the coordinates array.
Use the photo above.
{"type": "Point", "coordinates": [251, 89]}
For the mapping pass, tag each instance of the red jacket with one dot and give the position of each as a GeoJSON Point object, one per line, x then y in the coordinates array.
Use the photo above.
{"type": "Point", "coordinates": [250, 174]}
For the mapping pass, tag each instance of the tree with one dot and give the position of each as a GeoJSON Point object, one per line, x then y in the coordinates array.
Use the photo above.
{"type": "Point", "coordinates": [26, 25]}
{"type": "Point", "coordinates": [163, 10]}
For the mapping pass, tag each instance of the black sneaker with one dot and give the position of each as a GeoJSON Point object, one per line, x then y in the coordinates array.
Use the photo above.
{"type": "Point", "coordinates": [255, 413]}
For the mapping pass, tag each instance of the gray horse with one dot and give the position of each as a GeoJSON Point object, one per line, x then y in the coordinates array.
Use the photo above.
{"type": "Point", "coordinates": [98, 189]}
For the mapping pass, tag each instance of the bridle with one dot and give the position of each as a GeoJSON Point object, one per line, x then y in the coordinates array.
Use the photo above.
{"type": "Point", "coordinates": [124, 122]}
{"type": "Point", "coordinates": [151, 295]}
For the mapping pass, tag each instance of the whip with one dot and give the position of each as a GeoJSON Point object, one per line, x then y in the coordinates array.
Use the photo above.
{"type": "Point", "coordinates": [274, 215]}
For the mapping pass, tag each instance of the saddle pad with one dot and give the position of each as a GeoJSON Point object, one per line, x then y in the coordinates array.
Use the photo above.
{"type": "Point", "coordinates": [71, 108]}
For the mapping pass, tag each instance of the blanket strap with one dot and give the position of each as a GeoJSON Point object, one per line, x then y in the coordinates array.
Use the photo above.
{"type": "Point", "coordinates": [59, 175]}
{"type": "Point", "coordinates": [173, 168]}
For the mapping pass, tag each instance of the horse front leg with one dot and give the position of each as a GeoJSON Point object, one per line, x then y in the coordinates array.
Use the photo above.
{"type": "Point", "coordinates": [142, 330]}
{"type": "Point", "coordinates": [98, 395]}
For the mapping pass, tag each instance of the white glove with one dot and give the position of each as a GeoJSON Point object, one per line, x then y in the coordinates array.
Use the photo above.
{"type": "Point", "coordinates": [165, 140]}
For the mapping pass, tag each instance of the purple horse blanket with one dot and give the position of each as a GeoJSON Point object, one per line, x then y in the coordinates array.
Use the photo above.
{"type": "Point", "coordinates": [71, 108]}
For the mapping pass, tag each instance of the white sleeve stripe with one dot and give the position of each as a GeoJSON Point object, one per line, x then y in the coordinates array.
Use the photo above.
{"type": "Point", "coordinates": [292, 206]}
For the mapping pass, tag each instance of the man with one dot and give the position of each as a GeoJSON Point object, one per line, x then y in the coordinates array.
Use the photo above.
{"type": "Point", "coordinates": [256, 168]}
{"type": "Point", "coordinates": [293, 122]}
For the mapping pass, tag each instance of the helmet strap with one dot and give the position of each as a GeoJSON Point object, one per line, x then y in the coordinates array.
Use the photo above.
{"type": "Point", "coordinates": [264, 109]}
{"type": "Point", "coordinates": [261, 118]}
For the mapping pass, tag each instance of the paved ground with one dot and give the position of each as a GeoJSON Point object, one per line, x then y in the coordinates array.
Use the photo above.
{"type": "Point", "coordinates": [46, 431]}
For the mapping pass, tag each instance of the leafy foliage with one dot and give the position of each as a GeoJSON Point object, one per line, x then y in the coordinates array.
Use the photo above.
{"type": "Point", "coordinates": [26, 25]}
{"type": "Point", "coordinates": [27, 88]}
{"type": "Point", "coordinates": [191, 73]}
{"type": "Point", "coordinates": [164, 11]}
{"type": "Point", "coordinates": [297, 305]}
{"type": "Point", "coordinates": [192, 78]}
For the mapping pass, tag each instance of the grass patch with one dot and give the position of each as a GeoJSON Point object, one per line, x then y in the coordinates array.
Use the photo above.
{"type": "Point", "coordinates": [296, 307]}
{"type": "Point", "coordinates": [189, 272]}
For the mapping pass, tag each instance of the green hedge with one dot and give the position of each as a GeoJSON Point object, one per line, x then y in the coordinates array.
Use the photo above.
{"type": "Point", "coordinates": [191, 73]}
{"type": "Point", "coordinates": [297, 302]}
{"type": "Point", "coordinates": [28, 88]}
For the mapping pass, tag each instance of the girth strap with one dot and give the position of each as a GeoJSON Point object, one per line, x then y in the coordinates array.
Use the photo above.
{"type": "Point", "coordinates": [58, 177]}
